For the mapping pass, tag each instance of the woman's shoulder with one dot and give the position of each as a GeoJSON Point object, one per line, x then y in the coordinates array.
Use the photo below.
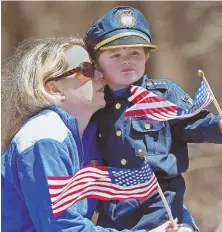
{"type": "Point", "coordinates": [46, 125]}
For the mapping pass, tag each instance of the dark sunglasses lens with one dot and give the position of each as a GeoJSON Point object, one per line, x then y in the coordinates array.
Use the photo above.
{"type": "Point", "coordinates": [87, 69]}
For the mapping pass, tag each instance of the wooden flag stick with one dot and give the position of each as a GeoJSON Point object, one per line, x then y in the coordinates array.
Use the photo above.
{"type": "Point", "coordinates": [166, 206]}
{"type": "Point", "coordinates": [201, 74]}
{"type": "Point", "coordinates": [142, 155]}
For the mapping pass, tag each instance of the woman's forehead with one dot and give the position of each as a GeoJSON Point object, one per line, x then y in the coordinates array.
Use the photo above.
{"type": "Point", "coordinates": [76, 55]}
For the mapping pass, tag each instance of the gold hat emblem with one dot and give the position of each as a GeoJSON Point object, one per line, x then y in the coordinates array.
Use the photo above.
{"type": "Point", "coordinates": [126, 18]}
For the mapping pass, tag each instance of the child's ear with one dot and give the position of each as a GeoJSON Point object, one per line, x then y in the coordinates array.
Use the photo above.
{"type": "Point", "coordinates": [97, 66]}
{"type": "Point", "coordinates": [146, 57]}
{"type": "Point", "coordinates": [146, 51]}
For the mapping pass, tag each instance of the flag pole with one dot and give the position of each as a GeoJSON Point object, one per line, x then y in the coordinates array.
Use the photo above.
{"type": "Point", "coordinates": [142, 155]}
{"type": "Point", "coordinates": [166, 206]}
{"type": "Point", "coordinates": [201, 74]}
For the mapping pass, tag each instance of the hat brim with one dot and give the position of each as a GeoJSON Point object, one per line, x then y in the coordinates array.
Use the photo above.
{"type": "Point", "coordinates": [129, 41]}
{"type": "Point", "coordinates": [152, 47]}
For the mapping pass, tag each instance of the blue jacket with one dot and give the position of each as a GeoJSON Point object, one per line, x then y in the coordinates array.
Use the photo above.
{"type": "Point", "coordinates": [48, 144]}
{"type": "Point", "coordinates": [164, 144]}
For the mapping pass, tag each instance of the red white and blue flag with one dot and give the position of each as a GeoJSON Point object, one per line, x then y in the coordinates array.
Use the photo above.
{"type": "Point", "coordinates": [103, 183]}
{"type": "Point", "coordinates": [156, 108]}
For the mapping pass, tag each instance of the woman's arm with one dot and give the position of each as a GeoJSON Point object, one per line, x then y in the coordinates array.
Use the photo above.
{"type": "Point", "coordinates": [51, 158]}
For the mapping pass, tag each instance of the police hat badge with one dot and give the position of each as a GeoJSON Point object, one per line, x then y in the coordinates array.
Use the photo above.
{"type": "Point", "coordinates": [126, 18]}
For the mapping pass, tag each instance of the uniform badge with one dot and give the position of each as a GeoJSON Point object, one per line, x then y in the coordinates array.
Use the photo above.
{"type": "Point", "coordinates": [126, 18]}
{"type": "Point", "coordinates": [188, 99]}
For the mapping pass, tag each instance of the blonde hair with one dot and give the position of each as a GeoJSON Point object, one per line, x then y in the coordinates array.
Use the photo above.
{"type": "Point", "coordinates": [24, 78]}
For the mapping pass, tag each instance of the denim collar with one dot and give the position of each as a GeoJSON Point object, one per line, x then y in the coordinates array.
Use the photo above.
{"type": "Point", "coordinates": [69, 120]}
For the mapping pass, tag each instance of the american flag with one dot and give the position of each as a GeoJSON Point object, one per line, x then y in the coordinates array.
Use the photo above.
{"type": "Point", "coordinates": [104, 183]}
{"type": "Point", "coordinates": [156, 108]}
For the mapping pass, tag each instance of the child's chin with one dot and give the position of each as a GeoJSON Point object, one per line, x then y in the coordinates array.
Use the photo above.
{"type": "Point", "coordinates": [131, 79]}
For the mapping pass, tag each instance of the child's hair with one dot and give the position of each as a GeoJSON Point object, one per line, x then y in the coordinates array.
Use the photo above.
{"type": "Point", "coordinates": [146, 51]}
{"type": "Point", "coordinates": [24, 77]}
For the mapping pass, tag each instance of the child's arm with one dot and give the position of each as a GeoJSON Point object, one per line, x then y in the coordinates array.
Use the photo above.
{"type": "Point", "coordinates": [220, 125]}
{"type": "Point", "coordinates": [202, 128]}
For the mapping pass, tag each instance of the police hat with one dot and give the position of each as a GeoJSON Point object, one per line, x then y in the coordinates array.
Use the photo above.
{"type": "Point", "coordinates": [122, 26]}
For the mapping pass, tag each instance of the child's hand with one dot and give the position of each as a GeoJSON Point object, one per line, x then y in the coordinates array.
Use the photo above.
{"type": "Point", "coordinates": [180, 228]}
{"type": "Point", "coordinates": [163, 227]}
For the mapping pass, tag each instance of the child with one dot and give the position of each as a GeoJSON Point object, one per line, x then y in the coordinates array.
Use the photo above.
{"type": "Point", "coordinates": [120, 42]}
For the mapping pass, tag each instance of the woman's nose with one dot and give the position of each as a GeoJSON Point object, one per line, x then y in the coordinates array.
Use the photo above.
{"type": "Point", "coordinates": [97, 75]}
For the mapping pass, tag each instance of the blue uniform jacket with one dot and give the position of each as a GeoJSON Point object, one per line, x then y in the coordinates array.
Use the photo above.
{"type": "Point", "coordinates": [164, 144]}
{"type": "Point", "coordinates": [47, 145]}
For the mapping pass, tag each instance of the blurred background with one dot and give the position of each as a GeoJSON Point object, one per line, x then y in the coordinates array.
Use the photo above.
{"type": "Point", "coordinates": [189, 36]}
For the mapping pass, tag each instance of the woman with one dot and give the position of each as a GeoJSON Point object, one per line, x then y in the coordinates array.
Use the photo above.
{"type": "Point", "coordinates": [48, 99]}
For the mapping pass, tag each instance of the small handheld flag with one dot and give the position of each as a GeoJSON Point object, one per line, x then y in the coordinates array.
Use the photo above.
{"type": "Point", "coordinates": [156, 108]}
{"type": "Point", "coordinates": [103, 183]}
{"type": "Point", "coordinates": [201, 74]}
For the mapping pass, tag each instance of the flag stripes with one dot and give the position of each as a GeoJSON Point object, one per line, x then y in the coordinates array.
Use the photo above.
{"type": "Point", "coordinates": [154, 107]}
{"type": "Point", "coordinates": [98, 182]}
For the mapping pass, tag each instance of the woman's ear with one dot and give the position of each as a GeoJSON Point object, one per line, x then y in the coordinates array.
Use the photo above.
{"type": "Point", "coordinates": [52, 88]}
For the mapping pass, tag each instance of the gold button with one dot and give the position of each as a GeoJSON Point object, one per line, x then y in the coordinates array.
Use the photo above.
{"type": "Point", "coordinates": [100, 135]}
{"type": "Point", "coordinates": [141, 153]}
{"type": "Point", "coordinates": [147, 126]}
{"type": "Point", "coordinates": [118, 133]}
{"type": "Point", "coordinates": [117, 106]}
{"type": "Point", "coordinates": [149, 84]}
{"type": "Point", "coordinates": [123, 161]}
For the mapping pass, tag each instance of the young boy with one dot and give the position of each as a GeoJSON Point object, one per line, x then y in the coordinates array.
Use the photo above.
{"type": "Point", "coordinates": [120, 42]}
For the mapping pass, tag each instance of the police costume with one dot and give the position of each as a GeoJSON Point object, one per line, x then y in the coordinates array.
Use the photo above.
{"type": "Point", "coordinates": [124, 140]}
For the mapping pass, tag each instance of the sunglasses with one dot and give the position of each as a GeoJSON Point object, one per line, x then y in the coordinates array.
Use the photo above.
{"type": "Point", "coordinates": [86, 68]}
